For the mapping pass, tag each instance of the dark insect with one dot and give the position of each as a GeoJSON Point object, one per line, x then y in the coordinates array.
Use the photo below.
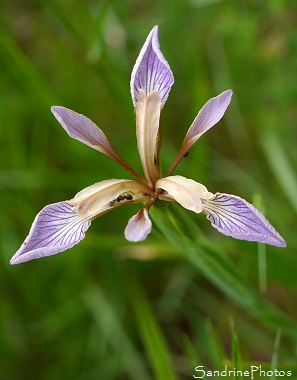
{"type": "Point", "coordinates": [186, 155]}
{"type": "Point", "coordinates": [120, 198]}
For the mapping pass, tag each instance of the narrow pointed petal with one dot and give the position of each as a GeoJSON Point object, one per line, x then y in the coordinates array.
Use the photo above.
{"type": "Point", "coordinates": [147, 132]}
{"type": "Point", "coordinates": [151, 71]}
{"type": "Point", "coordinates": [106, 195]}
{"type": "Point", "coordinates": [56, 228]}
{"type": "Point", "coordinates": [210, 114]}
{"type": "Point", "coordinates": [83, 129]}
{"type": "Point", "coordinates": [139, 226]}
{"type": "Point", "coordinates": [184, 191]}
{"type": "Point", "coordinates": [233, 216]}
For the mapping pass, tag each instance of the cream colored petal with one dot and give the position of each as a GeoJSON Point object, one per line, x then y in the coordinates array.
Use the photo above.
{"type": "Point", "coordinates": [95, 188]}
{"type": "Point", "coordinates": [147, 127]}
{"type": "Point", "coordinates": [103, 196]}
{"type": "Point", "coordinates": [185, 191]}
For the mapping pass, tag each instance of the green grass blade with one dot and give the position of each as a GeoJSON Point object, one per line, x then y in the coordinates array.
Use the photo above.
{"type": "Point", "coordinates": [24, 68]}
{"type": "Point", "coordinates": [151, 334]}
{"type": "Point", "coordinates": [280, 166]}
{"type": "Point", "coordinates": [216, 267]}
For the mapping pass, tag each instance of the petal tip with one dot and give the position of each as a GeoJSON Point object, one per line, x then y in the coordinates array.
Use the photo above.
{"type": "Point", "coordinates": [56, 228]}
{"type": "Point", "coordinates": [235, 217]}
{"type": "Point", "coordinates": [13, 261]}
{"type": "Point", "coordinates": [151, 70]}
{"type": "Point", "coordinates": [282, 243]}
{"type": "Point", "coordinates": [55, 110]}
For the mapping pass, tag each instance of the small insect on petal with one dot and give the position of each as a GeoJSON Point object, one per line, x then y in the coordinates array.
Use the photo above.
{"type": "Point", "coordinates": [56, 228]}
{"type": "Point", "coordinates": [233, 216]}
{"type": "Point", "coordinates": [139, 226]}
{"type": "Point", "coordinates": [102, 196]}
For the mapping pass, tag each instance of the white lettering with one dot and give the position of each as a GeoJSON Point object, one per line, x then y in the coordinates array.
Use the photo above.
{"type": "Point", "coordinates": [262, 372]}
{"type": "Point", "coordinates": [253, 369]}
{"type": "Point", "coordinates": [224, 372]}
{"type": "Point", "coordinates": [202, 372]}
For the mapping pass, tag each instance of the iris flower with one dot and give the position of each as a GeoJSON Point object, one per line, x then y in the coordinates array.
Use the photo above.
{"type": "Point", "coordinates": [61, 225]}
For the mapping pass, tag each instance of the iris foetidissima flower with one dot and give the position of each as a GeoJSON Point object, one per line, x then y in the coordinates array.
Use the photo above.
{"type": "Point", "coordinates": [61, 225]}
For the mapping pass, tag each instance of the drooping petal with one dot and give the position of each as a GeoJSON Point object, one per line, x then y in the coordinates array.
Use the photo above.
{"type": "Point", "coordinates": [106, 195]}
{"type": "Point", "coordinates": [233, 216]}
{"type": "Point", "coordinates": [184, 191]}
{"type": "Point", "coordinates": [210, 114]}
{"type": "Point", "coordinates": [56, 228]}
{"type": "Point", "coordinates": [83, 129]}
{"type": "Point", "coordinates": [139, 226]}
{"type": "Point", "coordinates": [151, 71]}
{"type": "Point", "coordinates": [147, 128]}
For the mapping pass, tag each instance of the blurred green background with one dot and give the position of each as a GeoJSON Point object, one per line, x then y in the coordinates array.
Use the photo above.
{"type": "Point", "coordinates": [187, 296]}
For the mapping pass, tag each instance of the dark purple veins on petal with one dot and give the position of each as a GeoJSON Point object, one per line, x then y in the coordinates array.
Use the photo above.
{"type": "Point", "coordinates": [236, 217]}
{"type": "Point", "coordinates": [151, 71]}
{"type": "Point", "coordinates": [56, 228]}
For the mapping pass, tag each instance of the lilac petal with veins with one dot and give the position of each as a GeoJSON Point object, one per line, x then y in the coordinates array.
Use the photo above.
{"type": "Point", "coordinates": [84, 130]}
{"type": "Point", "coordinates": [151, 71]}
{"type": "Point", "coordinates": [56, 228]}
{"type": "Point", "coordinates": [139, 226]}
{"type": "Point", "coordinates": [210, 114]}
{"type": "Point", "coordinates": [233, 216]}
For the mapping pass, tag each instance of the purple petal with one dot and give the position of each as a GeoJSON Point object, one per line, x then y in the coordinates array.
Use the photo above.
{"type": "Point", "coordinates": [233, 216]}
{"type": "Point", "coordinates": [83, 129]}
{"type": "Point", "coordinates": [151, 71]}
{"type": "Point", "coordinates": [139, 226]}
{"type": "Point", "coordinates": [208, 116]}
{"type": "Point", "coordinates": [56, 228]}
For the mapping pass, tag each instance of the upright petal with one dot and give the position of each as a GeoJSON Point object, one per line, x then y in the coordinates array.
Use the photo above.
{"type": "Point", "coordinates": [139, 226]}
{"type": "Point", "coordinates": [56, 228]}
{"type": "Point", "coordinates": [210, 114]}
{"type": "Point", "coordinates": [184, 191]}
{"type": "Point", "coordinates": [147, 132]}
{"type": "Point", "coordinates": [151, 71]}
{"type": "Point", "coordinates": [83, 129]}
{"type": "Point", "coordinates": [233, 216]}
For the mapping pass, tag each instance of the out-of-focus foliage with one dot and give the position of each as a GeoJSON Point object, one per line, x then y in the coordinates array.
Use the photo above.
{"type": "Point", "coordinates": [188, 296]}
